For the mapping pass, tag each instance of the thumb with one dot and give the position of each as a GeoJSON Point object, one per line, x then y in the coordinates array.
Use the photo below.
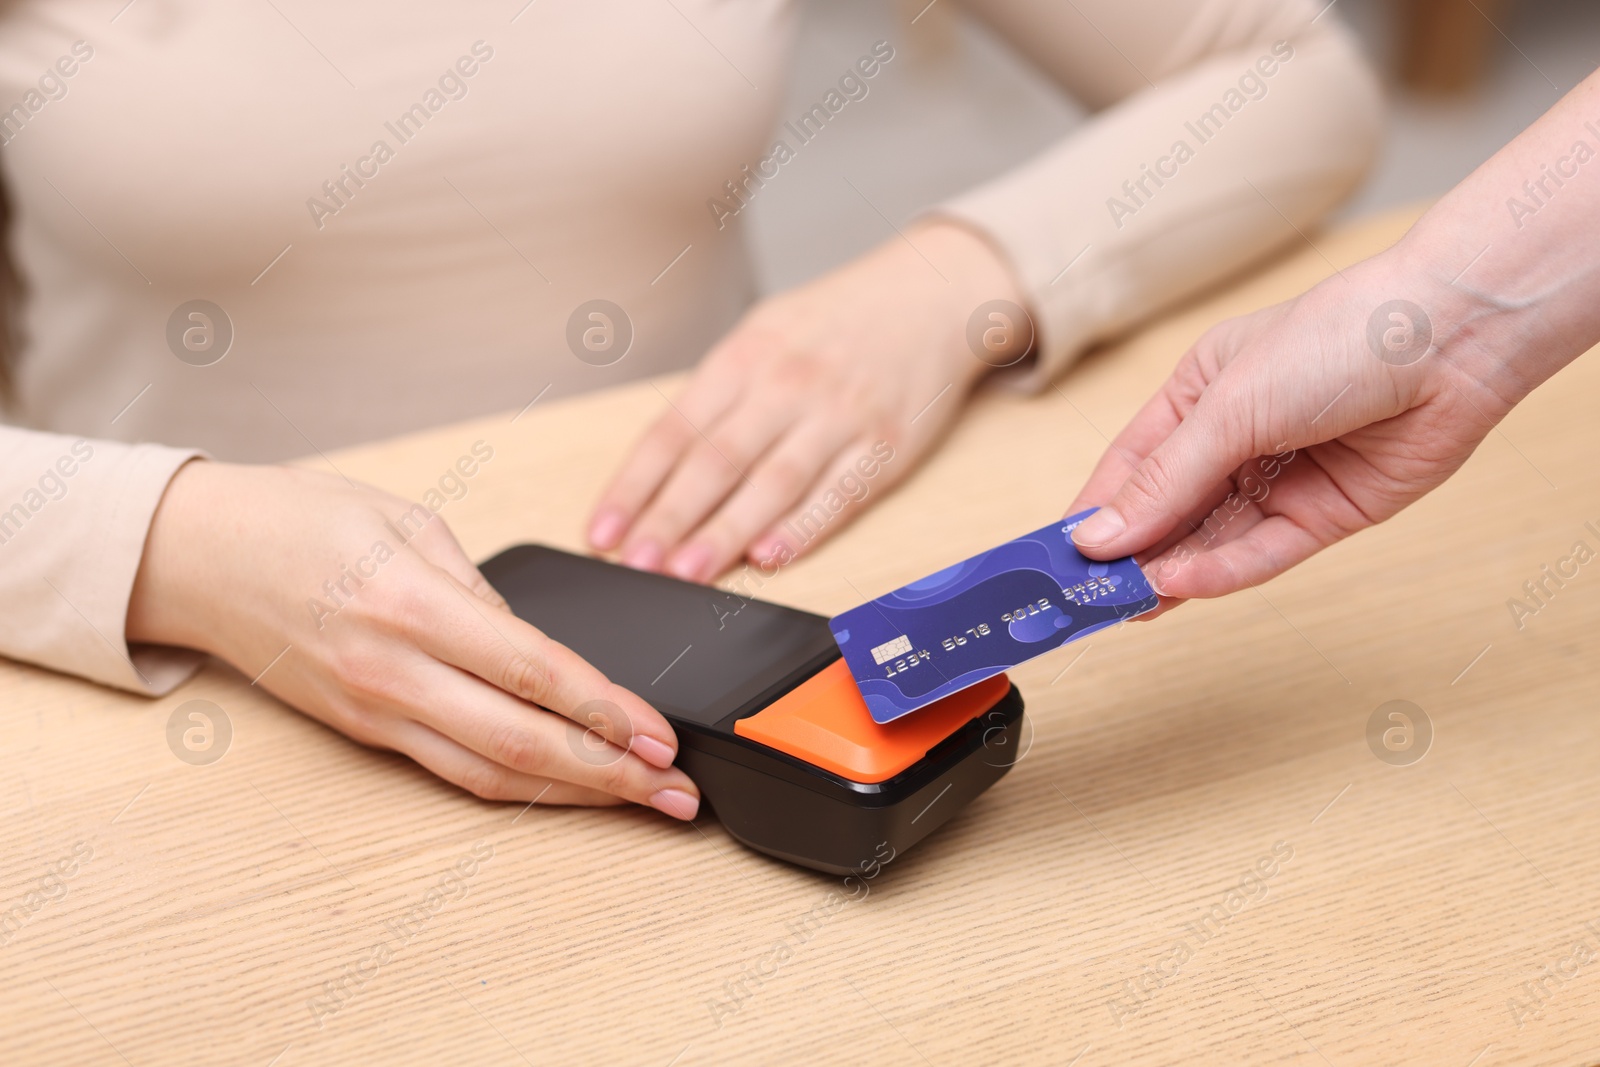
{"type": "Point", "coordinates": [1173, 481]}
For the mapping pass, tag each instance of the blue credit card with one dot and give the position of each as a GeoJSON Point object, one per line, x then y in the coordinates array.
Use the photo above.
{"type": "Point", "coordinates": [983, 616]}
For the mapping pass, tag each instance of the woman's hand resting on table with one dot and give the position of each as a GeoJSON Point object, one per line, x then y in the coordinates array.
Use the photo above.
{"type": "Point", "coordinates": [789, 402]}
{"type": "Point", "coordinates": [415, 653]}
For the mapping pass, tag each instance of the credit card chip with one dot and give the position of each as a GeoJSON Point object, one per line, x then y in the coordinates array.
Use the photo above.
{"type": "Point", "coordinates": [890, 649]}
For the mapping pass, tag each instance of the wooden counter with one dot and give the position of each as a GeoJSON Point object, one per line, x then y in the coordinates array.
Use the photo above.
{"type": "Point", "coordinates": [210, 907]}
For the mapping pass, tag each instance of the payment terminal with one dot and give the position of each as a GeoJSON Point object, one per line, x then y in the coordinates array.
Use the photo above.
{"type": "Point", "coordinates": [770, 723]}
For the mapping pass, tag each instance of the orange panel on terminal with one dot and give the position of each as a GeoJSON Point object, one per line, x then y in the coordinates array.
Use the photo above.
{"type": "Point", "coordinates": [824, 722]}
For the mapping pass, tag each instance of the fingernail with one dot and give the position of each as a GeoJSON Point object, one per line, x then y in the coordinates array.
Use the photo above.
{"type": "Point", "coordinates": [691, 563]}
{"type": "Point", "coordinates": [652, 751]}
{"type": "Point", "coordinates": [1098, 528]}
{"type": "Point", "coordinates": [766, 551]}
{"type": "Point", "coordinates": [676, 803]}
{"type": "Point", "coordinates": [1155, 579]}
{"type": "Point", "coordinates": [607, 530]}
{"type": "Point", "coordinates": [644, 556]}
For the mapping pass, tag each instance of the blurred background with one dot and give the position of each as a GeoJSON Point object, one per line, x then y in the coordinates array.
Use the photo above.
{"type": "Point", "coordinates": [1464, 77]}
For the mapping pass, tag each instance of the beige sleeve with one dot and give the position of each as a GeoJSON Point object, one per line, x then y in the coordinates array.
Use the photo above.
{"type": "Point", "coordinates": [73, 519]}
{"type": "Point", "coordinates": [1225, 130]}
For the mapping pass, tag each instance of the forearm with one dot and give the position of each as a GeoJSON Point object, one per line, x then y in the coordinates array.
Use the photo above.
{"type": "Point", "coordinates": [73, 518]}
{"type": "Point", "coordinates": [1506, 265]}
{"type": "Point", "coordinates": [1175, 186]}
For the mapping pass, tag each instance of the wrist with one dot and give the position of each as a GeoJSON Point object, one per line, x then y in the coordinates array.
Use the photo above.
{"type": "Point", "coordinates": [163, 608]}
{"type": "Point", "coordinates": [975, 274]}
{"type": "Point", "coordinates": [1479, 333]}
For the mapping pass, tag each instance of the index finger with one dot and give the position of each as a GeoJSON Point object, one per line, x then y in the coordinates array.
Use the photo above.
{"type": "Point", "coordinates": [649, 461]}
{"type": "Point", "coordinates": [657, 454]}
{"type": "Point", "coordinates": [517, 657]}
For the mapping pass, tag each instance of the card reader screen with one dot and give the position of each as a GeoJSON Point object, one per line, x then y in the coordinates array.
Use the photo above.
{"type": "Point", "coordinates": [689, 650]}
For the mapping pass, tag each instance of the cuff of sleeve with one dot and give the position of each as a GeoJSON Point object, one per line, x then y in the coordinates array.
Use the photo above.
{"type": "Point", "coordinates": [1067, 310]}
{"type": "Point", "coordinates": [70, 561]}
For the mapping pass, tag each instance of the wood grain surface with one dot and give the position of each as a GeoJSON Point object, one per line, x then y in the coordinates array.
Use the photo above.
{"type": "Point", "coordinates": [1204, 781]}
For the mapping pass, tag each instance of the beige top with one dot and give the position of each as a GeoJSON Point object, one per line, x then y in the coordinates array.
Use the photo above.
{"type": "Point", "coordinates": [398, 208]}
